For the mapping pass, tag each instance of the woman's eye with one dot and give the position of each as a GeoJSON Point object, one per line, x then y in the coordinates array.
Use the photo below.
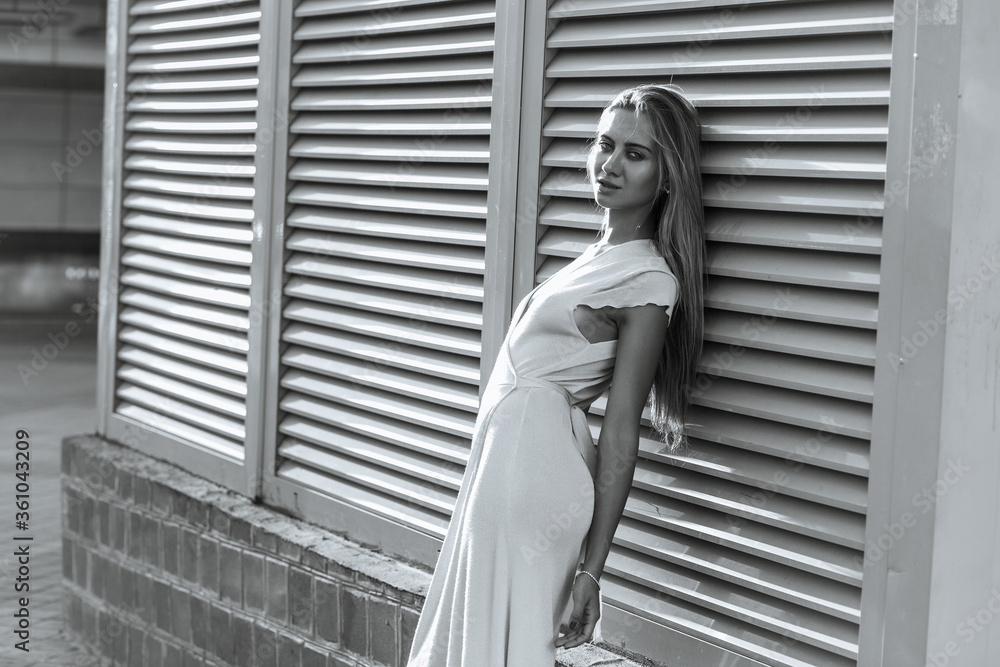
{"type": "Point", "coordinates": [635, 155]}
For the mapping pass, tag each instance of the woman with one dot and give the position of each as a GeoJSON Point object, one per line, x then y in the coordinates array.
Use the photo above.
{"type": "Point", "coordinates": [539, 499]}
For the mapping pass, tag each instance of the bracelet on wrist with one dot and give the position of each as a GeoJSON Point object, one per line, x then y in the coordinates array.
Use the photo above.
{"type": "Point", "coordinates": [591, 576]}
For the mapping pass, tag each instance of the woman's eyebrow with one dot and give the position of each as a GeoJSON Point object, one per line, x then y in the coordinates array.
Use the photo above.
{"type": "Point", "coordinates": [632, 144]}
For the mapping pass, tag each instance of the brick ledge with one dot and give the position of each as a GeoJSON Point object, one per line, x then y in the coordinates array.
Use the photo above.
{"type": "Point", "coordinates": [229, 514]}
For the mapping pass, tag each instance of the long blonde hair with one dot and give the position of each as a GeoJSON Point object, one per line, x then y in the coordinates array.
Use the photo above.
{"type": "Point", "coordinates": [680, 238]}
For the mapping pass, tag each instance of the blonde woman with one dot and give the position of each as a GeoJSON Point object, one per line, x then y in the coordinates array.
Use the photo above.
{"type": "Point", "coordinates": [519, 572]}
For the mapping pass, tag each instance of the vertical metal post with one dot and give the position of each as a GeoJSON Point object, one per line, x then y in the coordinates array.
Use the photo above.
{"type": "Point", "coordinates": [274, 261]}
{"type": "Point", "coordinates": [115, 83]}
{"type": "Point", "coordinates": [932, 525]}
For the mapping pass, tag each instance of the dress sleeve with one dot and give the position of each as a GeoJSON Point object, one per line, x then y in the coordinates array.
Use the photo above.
{"type": "Point", "coordinates": [658, 287]}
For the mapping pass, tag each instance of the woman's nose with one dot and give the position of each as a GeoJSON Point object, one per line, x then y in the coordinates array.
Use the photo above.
{"type": "Point", "coordinates": [610, 164]}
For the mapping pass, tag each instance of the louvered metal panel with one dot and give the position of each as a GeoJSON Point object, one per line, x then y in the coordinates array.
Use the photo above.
{"type": "Point", "coordinates": [186, 211]}
{"type": "Point", "coordinates": [752, 538]}
{"type": "Point", "coordinates": [388, 157]}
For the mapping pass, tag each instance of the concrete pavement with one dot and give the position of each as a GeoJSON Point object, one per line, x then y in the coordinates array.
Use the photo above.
{"type": "Point", "coordinates": [50, 396]}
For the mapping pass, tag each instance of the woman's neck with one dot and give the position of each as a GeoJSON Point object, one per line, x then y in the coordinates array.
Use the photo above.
{"type": "Point", "coordinates": [622, 229]}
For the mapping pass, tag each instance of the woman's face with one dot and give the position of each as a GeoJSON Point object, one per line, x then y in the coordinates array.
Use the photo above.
{"type": "Point", "coordinates": [623, 165]}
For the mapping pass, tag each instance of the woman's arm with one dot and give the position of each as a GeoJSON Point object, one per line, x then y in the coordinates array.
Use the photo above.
{"type": "Point", "coordinates": [641, 333]}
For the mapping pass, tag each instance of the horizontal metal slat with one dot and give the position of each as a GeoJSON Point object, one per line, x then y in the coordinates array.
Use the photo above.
{"type": "Point", "coordinates": [434, 336]}
{"type": "Point", "coordinates": [232, 211]}
{"type": "Point", "coordinates": [473, 40]}
{"type": "Point", "coordinates": [815, 521]}
{"type": "Point", "coordinates": [197, 62]}
{"type": "Point", "coordinates": [446, 286]}
{"type": "Point", "coordinates": [549, 267]}
{"type": "Point", "coordinates": [784, 89]}
{"type": "Point", "coordinates": [311, 8]}
{"type": "Point", "coordinates": [812, 54]}
{"type": "Point", "coordinates": [197, 354]}
{"type": "Point", "coordinates": [405, 19]}
{"type": "Point", "coordinates": [417, 308]}
{"type": "Point", "coordinates": [393, 380]}
{"type": "Point", "coordinates": [358, 496]}
{"type": "Point", "coordinates": [182, 289]}
{"type": "Point", "coordinates": [741, 638]}
{"type": "Point", "coordinates": [459, 259]}
{"type": "Point", "coordinates": [181, 411]}
{"type": "Point", "coordinates": [160, 383]}
{"type": "Point", "coordinates": [788, 124]}
{"type": "Point", "coordinates": [145, 7]}
{"type": "Point", "coordinates": [819, 341]}
{"type": "Point", "coordinates": [309, 418]}
{"type": "Point", "coordinates": [432, 470]}
{"type": "Point", "coordinates": [220, 38]}
{"type": "Point", "coordinates": [189, 186]}
{"type": "Point", "coordinates": [158, 24]}
{"type": "Point", "coordinates": [751, 192]}
{"type": "Point", "coordinates": [180, 247]}
{"type": "Point", "coordinates": [818, 376]}
{"type": "Point", "coordinates": [241, 170]}
{"type": "Point", "coordinates": [412, 151]}
{"type": "Point", "coordinates": [392, 175]}
{"type": "Point", "coordinates": [383, 404]}
{"type": "Point", "coordinates": [331, 463]}
{"type": "Point", "coordinates": [210, 231]}
{"type": "Point", "coordinates": [393, 355]}
{"type": "Point", "coordinates": [742, 570]}
{"type": "Point", "coordinates": [192, 103]}
{"type": "Point", "coordinates": [449, 230]}
{"type": "Point", "coordinates": [804, 553]}
{"type": "Point", "coordinates": [201, 335]}
{"type": "Point", "coordinates": [571, 213]}
{"type": "Point", "coordinates": [796, 266]}
{"type": "Point", "coordinates": [565, 9]}
{"type": "Point", "coordinates": [770, 474]}
{"type": "Point", "coordinates": [797, 624]}
{"type": "Point", "coordinates": [794, 230]}
{"type": "Point", "coordinates": [458, 203]}
{"type": "Point", "coordinates": [839, 197]}
{"type": "Point", "coordinates": [710, 25]}
{"type": "Point", "coordinates": [400, 97]}
{"type": "Point", "coordinates": [816, 160]}
{"type": "Point", "coordinates": [795, 124]}
{"type": "Point", "coordinates": [563, 242]}
{"type": "Point", "coordinates": [209, 273]}
{"type": "Point", "coordinates": [198, 82]}
{"type": "Point", "coordinates": [190, 435]}
{"type": "Point", "coordinates": [799, 302]}
{"type": "Point", "coordinates": [471, 67]}
{"type": "Point", "coordinates": [178, 369]}
{"type": "Point", "coordinates": [823, 413]}
{"type": "Point", "coordinates": [381, 354]}
{"type": "Point", "coordinates": [185, 310]}
{"type": "Point", "coordinates": [413, 123]}
{"type": "Point", "coordinates": [193, 145]}
{"type": "Point", "coordinates": [795, 444]}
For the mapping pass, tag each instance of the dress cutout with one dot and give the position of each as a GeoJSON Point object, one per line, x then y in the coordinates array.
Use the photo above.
{"type": "Point", "coordinates": [504, 577]}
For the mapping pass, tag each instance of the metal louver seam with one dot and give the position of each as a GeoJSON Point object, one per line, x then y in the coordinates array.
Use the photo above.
{"type": "Point", "coordinates": [388, 151]}
{"type": "Point", "coordinates": [186, 210]}
{"type": "Point", "coordinates": [793, 100]}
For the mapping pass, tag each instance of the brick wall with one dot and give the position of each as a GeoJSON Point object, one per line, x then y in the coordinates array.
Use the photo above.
{"type": "Point", "coordinates": [164, 569]}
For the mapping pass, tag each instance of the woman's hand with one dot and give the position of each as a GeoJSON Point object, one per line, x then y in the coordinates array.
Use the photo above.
{"type": "Point", "coordinates": [586, 611]}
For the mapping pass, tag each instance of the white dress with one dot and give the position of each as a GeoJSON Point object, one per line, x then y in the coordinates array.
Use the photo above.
{"type": "Point", "coordinates": [504, 577]}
